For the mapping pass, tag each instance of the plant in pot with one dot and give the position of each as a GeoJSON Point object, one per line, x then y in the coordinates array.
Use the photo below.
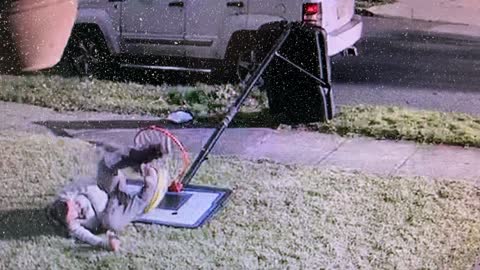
{"type": "Point", "coordinates": [34, 33]}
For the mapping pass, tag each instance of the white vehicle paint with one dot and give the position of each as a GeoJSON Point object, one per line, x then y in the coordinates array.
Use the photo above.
{"type": "Point", "coordinates": [209, 29]}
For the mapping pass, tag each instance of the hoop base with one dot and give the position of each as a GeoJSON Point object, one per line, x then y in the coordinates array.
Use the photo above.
{"type": "Point", "coordinates": [190, 208]}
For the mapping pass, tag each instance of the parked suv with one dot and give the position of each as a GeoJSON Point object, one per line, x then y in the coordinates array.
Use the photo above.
{"type": "Point", "coordinates": [196, 35]}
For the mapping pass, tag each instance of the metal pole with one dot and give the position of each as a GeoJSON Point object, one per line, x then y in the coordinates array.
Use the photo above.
{"type": "Point", "coordinates": [233, 110]}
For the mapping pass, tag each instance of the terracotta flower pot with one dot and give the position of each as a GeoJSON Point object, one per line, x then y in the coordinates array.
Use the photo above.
{"type": "Point", "coordinates": [34, 33]}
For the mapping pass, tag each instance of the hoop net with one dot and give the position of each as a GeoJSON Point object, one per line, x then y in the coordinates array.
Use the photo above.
{"type": "Point", "coordinates": [178, 158]}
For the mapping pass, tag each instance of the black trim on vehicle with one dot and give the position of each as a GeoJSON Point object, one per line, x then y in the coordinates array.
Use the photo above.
{"type": "Point", "coordinates": [169, 42]}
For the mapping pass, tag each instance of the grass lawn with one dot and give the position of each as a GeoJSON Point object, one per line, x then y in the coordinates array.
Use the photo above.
{"type": "Point", "coordinates": [71, 94]}
{"type": "Point", "coordinates": [208, 101]}
{"type": "Point", "coordinates": [278, 217]}
{"type": "Point", "coordinates": [398, 123]}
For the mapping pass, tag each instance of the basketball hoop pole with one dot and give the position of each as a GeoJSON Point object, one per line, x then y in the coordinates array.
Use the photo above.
{"type": "Point", "coordinates": [234, 108]}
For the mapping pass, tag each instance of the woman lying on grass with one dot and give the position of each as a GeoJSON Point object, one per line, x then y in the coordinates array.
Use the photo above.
{"type": "Point", "coordinates": [92, 206]}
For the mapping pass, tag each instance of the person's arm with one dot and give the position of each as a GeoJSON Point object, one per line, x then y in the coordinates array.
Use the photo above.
{"type": "Point", "coordinates": [86, 236]}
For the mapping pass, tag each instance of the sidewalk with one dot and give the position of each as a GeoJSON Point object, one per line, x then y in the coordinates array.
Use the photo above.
{"type": "Point", "coordinates": [288, 147]}
{"type": "Point", "coordinates": [323, 150]}
{"type": "Point", "coordinates": [459, 16]}
{"type": "Point", "coordinates": [451, 11]}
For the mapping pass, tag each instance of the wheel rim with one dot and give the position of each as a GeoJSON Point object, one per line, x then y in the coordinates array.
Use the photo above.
{"type": "Point", "coordinates": [85, 56]}
{"type": "Point", "coordinates": [247, 63]}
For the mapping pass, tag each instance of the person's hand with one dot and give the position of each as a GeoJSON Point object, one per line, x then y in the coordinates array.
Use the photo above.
{"type": "Point", "coordinates": [113, 241]}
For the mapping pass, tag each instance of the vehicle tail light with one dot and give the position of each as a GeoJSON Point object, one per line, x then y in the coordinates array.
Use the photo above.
{"type": "Point", "coordinates": [312, 13]}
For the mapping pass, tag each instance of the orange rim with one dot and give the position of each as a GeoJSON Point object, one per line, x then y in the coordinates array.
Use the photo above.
{"type": "Point", "coordinates": [184, 153]}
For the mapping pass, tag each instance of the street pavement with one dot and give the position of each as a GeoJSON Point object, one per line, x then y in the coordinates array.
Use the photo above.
{"type": "Point", "coordinates": [465, 12]}
{"type": "Point", "coordinates": [403, 63]}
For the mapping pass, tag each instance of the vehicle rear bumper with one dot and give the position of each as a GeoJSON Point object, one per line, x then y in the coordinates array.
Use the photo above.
{"type": "Point", "coordinates": [344, 37]}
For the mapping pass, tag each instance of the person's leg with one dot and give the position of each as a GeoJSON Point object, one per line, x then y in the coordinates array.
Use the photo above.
{"type": "Point", "coordinates": [149, 138]}
{"type": "Point", "coordinates": [149, 145]}
{"type": "Point", "coordinates": [145, 151]}
{"type": "Point", "coordinates": [123, 208]}
{"type": "Point", "coordinates": [161, 165]}
{"type": "Point", "coordinates": [156, 183]}
{"type": "Point", "coordinates": [109, 179]}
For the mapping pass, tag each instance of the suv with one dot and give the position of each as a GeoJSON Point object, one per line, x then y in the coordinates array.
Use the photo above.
{"type": "Point", "coordinates": [196, 35]}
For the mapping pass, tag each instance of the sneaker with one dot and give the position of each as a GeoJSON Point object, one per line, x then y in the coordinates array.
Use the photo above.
{"type": "Point", "coordinates": [157, 182]}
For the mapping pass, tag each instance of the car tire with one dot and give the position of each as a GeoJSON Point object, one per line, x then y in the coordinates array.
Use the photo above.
{"type": "Point", "coordinates": [245, 65]}
{"type": "Point", "coordinates": [87, 54]}
{"type": "Point", "coordinates": [242, 58]}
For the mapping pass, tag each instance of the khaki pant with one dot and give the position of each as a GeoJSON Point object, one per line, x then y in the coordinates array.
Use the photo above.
{"type": "Point", "coordinates": [123, 208]}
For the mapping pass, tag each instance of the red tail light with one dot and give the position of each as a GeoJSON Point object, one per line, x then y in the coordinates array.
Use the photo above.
{"type": "Point", "coordinates": [311, 8]}
{"type": "Point", "coordinates": [312, 14]}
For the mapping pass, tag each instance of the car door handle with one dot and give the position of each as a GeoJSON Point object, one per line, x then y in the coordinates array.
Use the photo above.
{"type": "Point", "coordinates": [235, 4]}
{"type": "Point", "coordinates": [176, 4]}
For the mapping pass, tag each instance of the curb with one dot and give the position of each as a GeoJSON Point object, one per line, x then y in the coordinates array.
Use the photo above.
{"type": "Point", "coordinates": [365, 12]}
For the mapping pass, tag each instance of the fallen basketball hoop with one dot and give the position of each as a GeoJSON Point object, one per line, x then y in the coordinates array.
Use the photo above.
{"type": "Point", "coordinates": [298, 82]}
